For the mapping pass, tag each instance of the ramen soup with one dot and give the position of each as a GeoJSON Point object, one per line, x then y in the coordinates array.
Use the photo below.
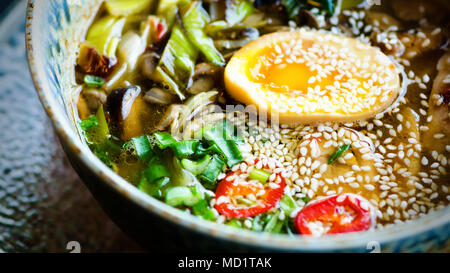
{"type": "Point", "coordinates": [298, 117]}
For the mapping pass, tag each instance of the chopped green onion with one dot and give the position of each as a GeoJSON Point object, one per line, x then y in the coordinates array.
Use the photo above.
{"type": "Point", "coordinates": [127, 145]}
{"type": "Point", "coordinates": [88, 123]}
{"type": "Point", "coordinates": [237, 10]}
{"type": "Point", "coordinates": [234, 223]}
{"type": "Point", "coordinates": [103, 156]}
{"type": "Point", "coordinates": [213, 169]}
{"type": "Point", "coordinates": [245, 201]}
{"type": "Point", "coordinates": [306, 199]}
{"type": "Point", "coordinates": [103, 129]}
{"type": "Point", "coordinates": [338, 153]}
{"type": "Point", "coordinates": [93, 81]}
{"type": "Point", "coordinates": [177, 196]}
{"type": "Point", "coordinates": [153, 188]}
{"type": "Point", "coordinates": [201, 209]}
{"type": "Point", "coordinates": [196, 167]}
{"type": "Point", "coordinates": [142, 147]}
{"type": "Point", "coordinates": [111, 147]}
{"type": "Point", "coordinates": [260, 175]}
{"type": "Point", "coordinates": [156, 170]}
{"type": "Point", "coordinates": [185, 148]}
{"type": "Point", "coordinates": [256, 224]}
{"type": "Point", "coordinates": [287, 204]}
{"type": "Point", "coordinates": [194, 19]}
{"type": "Point", "coordinates": [226, 145]}
{"type": "Point", "coordinates": [178, 60]}
{"type": "Point", "coordinates": [272, 224]}
{"type": "Point", "coordinates": [127, 7]}
{"type": "Point", "coordinates": [164, 139]}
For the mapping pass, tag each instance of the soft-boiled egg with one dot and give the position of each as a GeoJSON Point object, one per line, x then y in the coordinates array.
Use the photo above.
{"type": "Point", "coordinates": [307, 76]}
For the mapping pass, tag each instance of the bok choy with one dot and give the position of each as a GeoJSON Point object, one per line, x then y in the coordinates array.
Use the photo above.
{"type": "Point", "coordinates": [195, 19]}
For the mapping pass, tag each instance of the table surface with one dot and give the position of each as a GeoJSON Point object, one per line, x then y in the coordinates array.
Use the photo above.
{"type": "Point", "coordinates": [43, 203]}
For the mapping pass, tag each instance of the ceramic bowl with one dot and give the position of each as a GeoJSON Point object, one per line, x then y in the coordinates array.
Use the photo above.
{"type": "Point", "coordinates": [53, 31]}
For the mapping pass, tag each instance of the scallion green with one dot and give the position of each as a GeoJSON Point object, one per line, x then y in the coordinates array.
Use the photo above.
{"type": "Point", "coordinates": [260, 175]}
{"type": "Point", "coordinates": [93, 81]}
{"type": "Point", "coordinates": [164, 139]}
{"type": "Point", "coordinates": [142, 147]}
{"type": "Point", "coordinates": [338, 153]}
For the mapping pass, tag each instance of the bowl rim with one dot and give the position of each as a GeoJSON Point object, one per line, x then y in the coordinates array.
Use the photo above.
{"type": "Point", "coordinates": [279, 242]}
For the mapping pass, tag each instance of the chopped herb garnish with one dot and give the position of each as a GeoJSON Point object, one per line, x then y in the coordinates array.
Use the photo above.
{"type": "Point", "coordinates": [88, 123]}
{"type": "Point", "coordinates": [93, 81]}
{"type": "Point", "coordinates": [201, 209]}
{"type": "Point", "coordinates": [260, 175]}
{"type": "Point", "coordinates": [142, 147]}
{"type": "Point", "coordinates": [338, 153]}
{"type": "Point", "coordinates": [164, 139]}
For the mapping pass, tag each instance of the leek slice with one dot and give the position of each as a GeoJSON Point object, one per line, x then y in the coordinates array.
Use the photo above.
{"type": "Point", "coordinates": [127, 7]}
{"type": "Point", "coordinates": [104, 35]}
{"type": "Point", "coordinates": [195, 19]}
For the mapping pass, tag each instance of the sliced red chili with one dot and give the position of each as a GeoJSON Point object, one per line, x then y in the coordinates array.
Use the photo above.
{"type": "Point", "coordinates": [160, 31]}
{"type": "Point", "coordinates": [231, 188]}
{"type": "Point", "coordinates": [337, 214]}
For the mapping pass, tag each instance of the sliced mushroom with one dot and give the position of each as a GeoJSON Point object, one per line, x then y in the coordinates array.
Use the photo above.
{"type": "Point", "coordinates": [306, 17]}
{"type": "Point", "coordinates": [159, 96]}
{"type": "Point", "coordinates": [149, 62]}
{"type": "Point", "coordinates": [206, 76]}
{"type": "Point", "coordinates": [94, 98]}
{"type": "Point", "coordinates": [436, 137]}
{"type": "Point", "coordinates": [125, 107]}
{"type": "Point", "coordinates": [170, 116]}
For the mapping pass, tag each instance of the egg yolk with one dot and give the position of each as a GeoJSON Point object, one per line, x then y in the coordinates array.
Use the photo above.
{"type": "Point", "coordinates": [309, 76]}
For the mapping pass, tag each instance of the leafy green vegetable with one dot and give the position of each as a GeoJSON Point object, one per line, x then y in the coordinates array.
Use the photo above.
{"type": "Point", "coordinates": [88, 123]}
{"type": "Point", "coordinates": [156, 170]}
{"type": "Point", "coordinates": [95, 128]}
{"type": "Point", "coordinates": [104, 35]}
{"type": "Point", "coordinates": [167, 9]}
{"type": "Point", "coordinates": [178, 60]}
{"type": "Point", "coordinates": [234, 223]}
{"type": "Point", "coordinates": [257, 223]}
{"type": "Point", "coordinates": [260, 175]}
{"type": "Point", "coordinates": [338, 153]}
{"type": "Point", "coordinates": [196, 167]}
{"type": "Point", "coordinates": [185, 148]}
{"type": "Point", "coordinates": [164, 139]}
{"type": "Point", "coordinates": [103, 156]}
{"type": "Point", "coordinates": [142, 147]}
{"type": "Point", "coordinates": [213, 169]}
{"type": "Point", "coordinates": [271, 226]}
{"type": "Point", "coordinates": [237, 10]}
{"type": "Point", "coordinates": [201, 209]}
{"type": "Point", "coordinates": [227, 147]}
{"type": "Point", "coordinates": [93, 81]}
{"type": "Point", "coordinates": [287, 204]}
{"type": "Point", "coordinates": [127, 7]}
{"type": "Point", "coordinates": [187, 196]}
{"type": "Point", "coordinates": [153, 188]}
{"type": "Point", "coordinates": [194, 19]}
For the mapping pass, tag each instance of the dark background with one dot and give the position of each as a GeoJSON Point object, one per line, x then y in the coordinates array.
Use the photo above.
{"type": "Point", "coordinates": [43, 203]}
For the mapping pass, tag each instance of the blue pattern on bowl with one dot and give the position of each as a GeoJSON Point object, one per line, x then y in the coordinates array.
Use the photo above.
{"type": "Point", "coordinates": [54, 28]}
